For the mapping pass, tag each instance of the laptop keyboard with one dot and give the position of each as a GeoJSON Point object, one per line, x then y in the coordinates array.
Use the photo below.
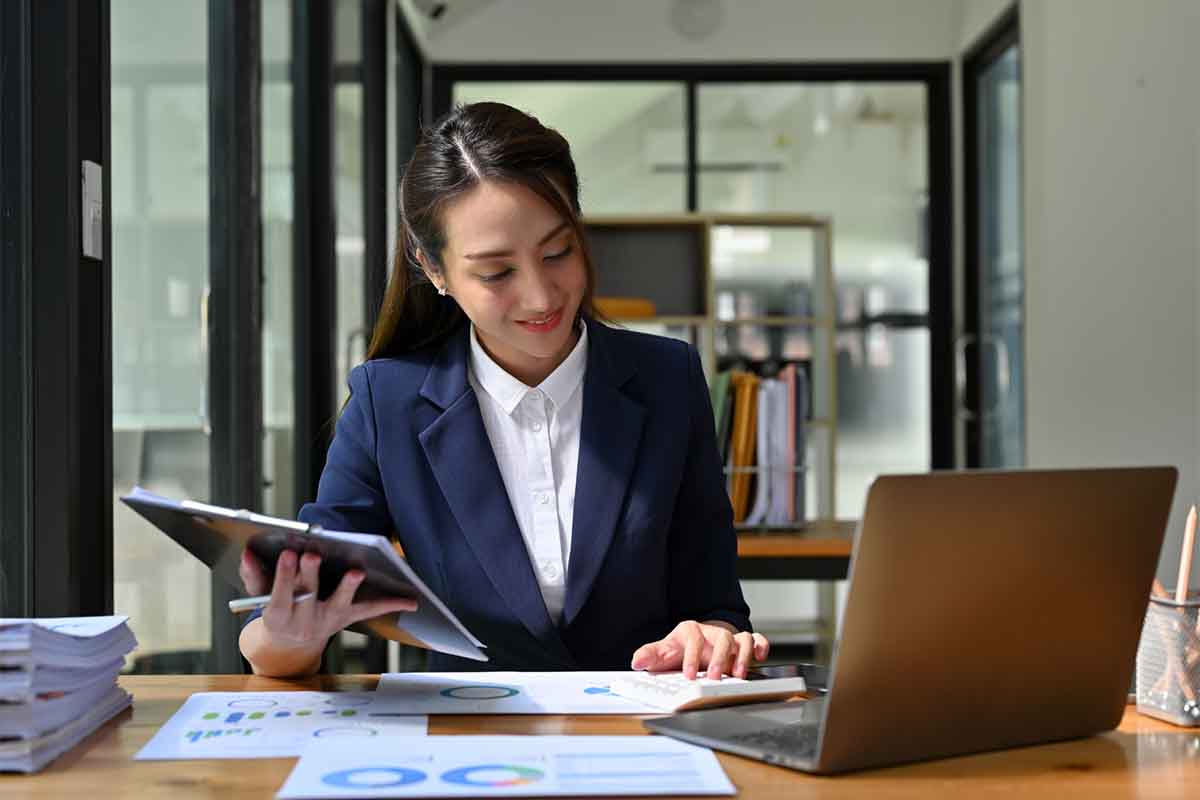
{"type": "Point", "coordinates": [799, 738]}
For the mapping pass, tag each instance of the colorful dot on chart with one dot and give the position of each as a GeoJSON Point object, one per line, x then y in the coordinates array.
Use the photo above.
{"type": "Point", "coordinates": [349, 712]}
{"type": "Point", "coordinates": [283, 713]}
{"type": "Point", "coordinates": [211, 715]}
{"type": "Point", "coordinates": [304, 713]}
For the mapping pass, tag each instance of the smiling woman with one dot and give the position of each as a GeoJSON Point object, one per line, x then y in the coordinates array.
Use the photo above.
{"type": "Point", "coordinates": [555, 480]}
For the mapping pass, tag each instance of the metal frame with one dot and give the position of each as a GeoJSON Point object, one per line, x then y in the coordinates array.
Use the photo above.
{"type": "Point", "coordinates": [935, 75]}
{"type": "Point", "coordinates": [235, 276]}
{"type": "Point", "coordinates": [16, 311]}
{"type": "Point", "coordinates": [376, 174]}
{"type": "Point", "coordinates": [67, 381]}
{"type": "Point", "coordinates": [314, 292]}
{"type": "Point", "coordinates": [1003, 33]}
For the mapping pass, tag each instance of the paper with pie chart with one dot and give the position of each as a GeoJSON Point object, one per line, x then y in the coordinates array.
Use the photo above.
{"type": "Point", "coordinates": [505, 693]}
{"type": "Point", "coordinates": [531, 766]}
{"type": "Point", "coordinates": [271, 724]}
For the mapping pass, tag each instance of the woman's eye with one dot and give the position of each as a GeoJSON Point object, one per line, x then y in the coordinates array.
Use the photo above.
{"type": "Point", "coordinates": [495, 276]}
{"type": "Point", "coordinates": [566, 251]}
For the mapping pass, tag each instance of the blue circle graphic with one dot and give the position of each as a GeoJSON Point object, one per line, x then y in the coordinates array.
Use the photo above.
{"type": "Point", "coordinates": [345, 731]}
{"type": "Point", "coordinates": [372, 777]}
{"type": "Point", "coordinates": [502, 775]}
{"type": "Point", "coordinates": [483, 691]}
{"type": "Point", "coordinates": [597, 690]}
{"type": "Point", "coordinates": [252, 702]}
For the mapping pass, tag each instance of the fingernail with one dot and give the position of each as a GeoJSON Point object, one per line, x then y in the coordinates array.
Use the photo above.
{"type": "Point", "coordinates": [356, 575]}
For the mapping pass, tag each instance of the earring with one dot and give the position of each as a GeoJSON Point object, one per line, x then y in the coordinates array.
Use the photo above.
{"type": "Point", "coordinates": [442, 290]}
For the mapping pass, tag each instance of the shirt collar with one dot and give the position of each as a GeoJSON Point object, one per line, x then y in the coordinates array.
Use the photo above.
{"type": "Point", "coordinates": [560, 385]}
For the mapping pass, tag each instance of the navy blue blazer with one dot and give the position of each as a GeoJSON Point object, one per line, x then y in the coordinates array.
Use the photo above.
{"type": "Point", "coordinates": [652, 537]}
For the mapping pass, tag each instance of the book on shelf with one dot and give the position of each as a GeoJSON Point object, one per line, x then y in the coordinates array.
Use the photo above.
{"type": "Point", "coordinates": [743, 439]}
{"type": "Point", "coordinates": [764, 446]}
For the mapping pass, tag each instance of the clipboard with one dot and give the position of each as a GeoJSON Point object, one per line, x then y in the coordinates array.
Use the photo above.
{"type": "Point", "coordinates": [217, 536]}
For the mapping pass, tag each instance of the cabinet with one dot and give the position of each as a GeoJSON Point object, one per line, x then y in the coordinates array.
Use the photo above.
{"type": "Point", "coordinates": [752, 292]}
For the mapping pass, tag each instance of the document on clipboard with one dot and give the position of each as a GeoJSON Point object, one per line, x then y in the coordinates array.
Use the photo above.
{"type": "Point", "coordinates": [217, 536]}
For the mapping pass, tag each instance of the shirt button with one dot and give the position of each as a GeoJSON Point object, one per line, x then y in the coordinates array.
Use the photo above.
{"type": "Point", "coordinates": [543, 498]}
{"type": "Point", "coordinates": [552, 572]}
{"type": "Point", "coordinates": [537, 426]}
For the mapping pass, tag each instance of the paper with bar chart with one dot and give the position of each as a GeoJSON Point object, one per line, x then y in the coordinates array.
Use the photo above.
{"type": "Point", "coordinates": [505, 693]}
{"type": "Point", "coordinates": [525, 766]}
{"type": "Point", "coordinates": [272, 724]}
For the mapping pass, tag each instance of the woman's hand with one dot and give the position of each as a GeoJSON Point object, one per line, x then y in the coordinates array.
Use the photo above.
{"type": "Point", "coordinates": [291, 636]}
{"type": "Point", "coordinates": [693, 645]}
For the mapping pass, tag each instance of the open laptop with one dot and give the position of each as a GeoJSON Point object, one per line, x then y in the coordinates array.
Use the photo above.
{"type": "Point", "coordinates": [985, 610]}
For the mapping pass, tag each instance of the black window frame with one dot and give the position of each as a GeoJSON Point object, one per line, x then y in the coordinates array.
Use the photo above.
{"type": "Point", "coordinates": [56, 372]}
{"type": "Point", "coordinates": [1002, 34]}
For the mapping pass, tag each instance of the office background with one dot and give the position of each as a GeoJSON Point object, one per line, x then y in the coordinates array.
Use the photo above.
{"type": "Point", "coordinates": [858, 108]}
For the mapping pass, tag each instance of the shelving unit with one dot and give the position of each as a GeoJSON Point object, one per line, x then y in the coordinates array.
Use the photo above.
{"type": "Point", "coordinates": [731, 284]}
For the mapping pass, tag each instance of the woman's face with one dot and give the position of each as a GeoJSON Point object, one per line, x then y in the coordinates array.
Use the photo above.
{"type": "Point", "coordinates": [514, 267]}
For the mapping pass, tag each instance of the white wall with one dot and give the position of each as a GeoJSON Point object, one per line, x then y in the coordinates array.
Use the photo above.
{"type": "Point", "coordinates": [976, 17]}
{"type": "Point", "coordinates": [1112, 144]}
{"type": "Point", "coordinates": [525, 31]}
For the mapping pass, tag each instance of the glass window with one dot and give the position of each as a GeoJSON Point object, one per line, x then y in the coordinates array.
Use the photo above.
{"type": "Point", "coordinates": [278, 359]}
{"type": "Point", "coordinates": [350, 241]}
{"type": "Point", "coordinates": [160, 279]}
{"type": "Point", "coordinates": [855, 153]}
{"type": "Point", "coordinates": [1001, 269]}
{"type": "Point", "coordinates": [628, 139]}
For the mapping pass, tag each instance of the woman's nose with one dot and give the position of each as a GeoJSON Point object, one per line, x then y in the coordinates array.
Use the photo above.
{"type": "Point", "coordinates": [540, 291]}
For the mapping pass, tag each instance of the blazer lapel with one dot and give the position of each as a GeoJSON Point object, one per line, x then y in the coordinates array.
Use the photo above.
{"type": "Point", "coordinates": [610, 432]}
{"type": "Point", "coordinates": [460, 454]}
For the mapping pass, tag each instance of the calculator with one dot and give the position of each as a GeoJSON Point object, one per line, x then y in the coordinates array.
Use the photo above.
{"type": "Point", "coordinates": [672, 691]}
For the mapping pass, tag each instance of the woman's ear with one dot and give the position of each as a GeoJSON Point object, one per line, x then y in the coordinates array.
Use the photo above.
{"type": "Point", "coordinates": [431, 274]}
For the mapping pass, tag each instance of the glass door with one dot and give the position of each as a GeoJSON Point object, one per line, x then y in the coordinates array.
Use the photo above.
{"type": "Point", "coordinates": [856, 153]}
{"type": "Point", "coordinates": [160, 294]}
{"type": "Point", "coordinates": [991, 354]}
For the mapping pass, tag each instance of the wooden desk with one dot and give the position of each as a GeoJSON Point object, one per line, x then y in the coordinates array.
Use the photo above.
{"type": "Point", "coordinates": [820, 553]}
{"type": "Point", "coordinates": [1144, 758]}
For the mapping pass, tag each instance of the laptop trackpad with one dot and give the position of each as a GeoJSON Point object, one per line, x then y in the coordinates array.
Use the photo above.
{"type": "Point", "coordinates": [785, 713]}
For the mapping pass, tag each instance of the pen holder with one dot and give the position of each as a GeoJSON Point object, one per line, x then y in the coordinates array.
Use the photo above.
{"type": "Point", "coordinates": [1168, 662]}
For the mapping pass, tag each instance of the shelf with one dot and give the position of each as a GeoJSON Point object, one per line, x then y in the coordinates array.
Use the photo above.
{"type": "Point", "coordinates": [676, 319]}
{"type": "Point", "coordinates": [668, 259]}
{"type": "Point", "coordinates": [791, 322]}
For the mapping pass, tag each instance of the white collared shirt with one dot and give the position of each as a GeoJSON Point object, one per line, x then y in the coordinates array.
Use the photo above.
{"type": "Point", "coordinates": [535, 435]}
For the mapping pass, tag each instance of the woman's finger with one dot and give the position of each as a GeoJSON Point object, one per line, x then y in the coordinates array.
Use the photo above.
{"type": "Point", "coordinates": [719, 658]}
{"type": "Point", "coordinates": [343, 596]}
{"type": "Point", "coordinates": [253, 576]}
{"type": "Point", "coordinates": [374, 608]}
{"type": "Point", "coordinates": [305, 614]}
{"type": "Point", "coordinates": [761, 647]}
{"type": "Point", "coordinates": [745, 651]}
{"type": "Point", "coordinates": [693, 648]}
{"type": "Point", "coordinates": [280, 604]}
{"type": "Point", "coordinates": [645, 657]}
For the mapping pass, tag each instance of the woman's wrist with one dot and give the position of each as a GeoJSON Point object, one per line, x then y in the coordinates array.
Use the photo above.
{"type": "Point", "coordinates": [272, 659]}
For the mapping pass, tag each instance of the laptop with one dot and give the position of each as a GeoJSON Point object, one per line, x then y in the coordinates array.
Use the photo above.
{"type": "Point", "coordinates": [986, 610]}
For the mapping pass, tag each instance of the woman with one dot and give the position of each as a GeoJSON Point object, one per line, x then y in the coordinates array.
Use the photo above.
{"type": "Point", "coordinates": [554, 480]}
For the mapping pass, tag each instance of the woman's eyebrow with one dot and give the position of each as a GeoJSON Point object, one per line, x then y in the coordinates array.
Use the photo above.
{"type": "Point", "coordinates": [506, 253]}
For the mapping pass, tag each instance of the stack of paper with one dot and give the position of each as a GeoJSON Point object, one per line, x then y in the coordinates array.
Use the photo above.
{"type": "Point", "coordinates": [58, 683]}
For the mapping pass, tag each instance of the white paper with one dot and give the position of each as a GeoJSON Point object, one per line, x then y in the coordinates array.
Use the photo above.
{"type": "Point", "coordinates": [271, 724]}
{"type": "Point", "coordinates": [71, 626]}
{"type": "Point", "coordinates": [528, 766]}
{"type": "Point", "coordinates": [503, 693]}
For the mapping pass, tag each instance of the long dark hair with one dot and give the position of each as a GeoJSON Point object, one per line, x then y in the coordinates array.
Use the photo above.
{"type": "Point", "coordinates": [471, 144]}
